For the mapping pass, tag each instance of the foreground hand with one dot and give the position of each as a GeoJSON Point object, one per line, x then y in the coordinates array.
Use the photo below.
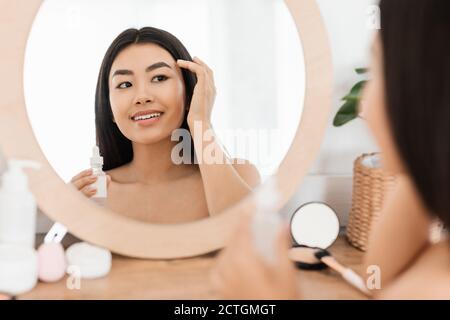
{"type": "Point", "coordinates": [241, 273]}
{"type": "Point", "coordinates": [204, 93]}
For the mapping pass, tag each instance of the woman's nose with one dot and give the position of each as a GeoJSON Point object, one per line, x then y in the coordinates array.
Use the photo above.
{"type": "Point", "coordinates": [143, 100]}
{"type": "Point", "coordinates": [143, 97]}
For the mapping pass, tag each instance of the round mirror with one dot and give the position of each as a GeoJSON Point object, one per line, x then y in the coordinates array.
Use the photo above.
{"type": "Point", "coordinates": [258, 69]}
{"type": "Point", "coordinates": [315, 225]}
{"type": "Point", "coordinates": [258, 72]}
{"type": "Point", "coordinates": [267, 83]}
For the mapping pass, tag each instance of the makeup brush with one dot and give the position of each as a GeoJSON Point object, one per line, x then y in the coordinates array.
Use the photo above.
{"type": "Point", "coordinates": [307, 258]}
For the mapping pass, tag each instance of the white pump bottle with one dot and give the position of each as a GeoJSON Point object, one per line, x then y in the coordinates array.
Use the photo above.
{"type": "Point", "coordinates": [18, 207]}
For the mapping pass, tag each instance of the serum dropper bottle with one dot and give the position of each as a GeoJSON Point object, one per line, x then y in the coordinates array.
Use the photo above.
{"type": "Point", "coordinates": [100, 184]}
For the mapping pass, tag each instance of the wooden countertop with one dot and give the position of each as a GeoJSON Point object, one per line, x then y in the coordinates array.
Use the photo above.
{"type": "Point", "coordinates": [189, 279]}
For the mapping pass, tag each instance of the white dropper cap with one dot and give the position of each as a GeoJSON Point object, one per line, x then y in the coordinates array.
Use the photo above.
{"type": "Point", "coordinates": [96, 159]}
{"type": "Point", "coordinates": [15, 178]}
{"type": "Point", "coordinates": [266, 221]}
{"type": "Point", "coordinates": [2, 163]}
{"type": "Point", "coordinates": [268, 195]}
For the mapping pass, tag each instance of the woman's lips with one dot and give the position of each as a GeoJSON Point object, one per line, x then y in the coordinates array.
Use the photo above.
{"type": "Point", "coordinates": [144, 113]}
{"type": "Point", "coordinates": [149, 121]}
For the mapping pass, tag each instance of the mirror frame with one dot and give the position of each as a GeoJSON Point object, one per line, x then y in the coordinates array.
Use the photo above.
{"type": "Point", "coordinates": [123, 235]}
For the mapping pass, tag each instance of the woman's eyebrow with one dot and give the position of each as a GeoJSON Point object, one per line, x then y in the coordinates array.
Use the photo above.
{"type": "Point", "coordinates": [122, 72]}
{"type": "Point", "coordinates": [157, 65]}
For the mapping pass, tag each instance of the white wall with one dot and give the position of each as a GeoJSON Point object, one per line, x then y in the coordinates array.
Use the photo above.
{"type": "Point", "coordinates": [350, 40]}
{"type": "Point", "coordinates": [330, 178]}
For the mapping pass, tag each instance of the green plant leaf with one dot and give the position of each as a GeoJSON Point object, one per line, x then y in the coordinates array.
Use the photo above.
{"type": "Point", "coordinates": [349, 110]}
{"type": "Point", "coordinates": [361, 70]}
{"type": "Point", "coordinates": [355, 92]}
{"type": "Point", "coordinates": [346, 113]}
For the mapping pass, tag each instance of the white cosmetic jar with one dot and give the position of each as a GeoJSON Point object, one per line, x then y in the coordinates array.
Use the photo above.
{"type": "Point", "coordinates": [92, 262]}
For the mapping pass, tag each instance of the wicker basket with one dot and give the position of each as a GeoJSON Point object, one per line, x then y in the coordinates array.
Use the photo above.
{"type": "Point", "coordinates": [369, 188]}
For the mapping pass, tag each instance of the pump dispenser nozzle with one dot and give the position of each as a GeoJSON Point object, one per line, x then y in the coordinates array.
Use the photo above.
{"type": "Point", "coordinates": [15, 179]}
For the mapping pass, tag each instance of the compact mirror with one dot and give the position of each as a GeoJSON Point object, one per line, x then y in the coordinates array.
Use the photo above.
{"type": "Point", "coordinates": [315, 225]}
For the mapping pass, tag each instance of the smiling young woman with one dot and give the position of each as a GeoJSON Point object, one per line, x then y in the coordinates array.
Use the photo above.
{"type": "Point", "coordinates": [148, 87]}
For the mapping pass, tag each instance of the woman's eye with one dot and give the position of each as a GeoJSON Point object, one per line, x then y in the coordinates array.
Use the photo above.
{"type": "Point", "coordinates": [159, 78]}
{"type": "Point", "coordinates": [124, 85]}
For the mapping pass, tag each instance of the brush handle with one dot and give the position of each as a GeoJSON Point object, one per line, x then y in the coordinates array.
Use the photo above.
{"type": "Point", "coordinates": [347, 274]}
{"type": "Point", "coordinates": [355, 280]}
{"type": "Point", "coordinates": [56, 233]}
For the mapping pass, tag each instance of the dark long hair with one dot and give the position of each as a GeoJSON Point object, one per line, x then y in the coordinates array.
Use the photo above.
{"type": "Point", "coordinates": [415, 36]}
{"type": "Point", "coordinates": [115, 148]}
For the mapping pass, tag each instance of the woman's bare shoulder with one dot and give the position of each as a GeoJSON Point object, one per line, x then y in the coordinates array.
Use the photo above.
{"type": "Point", "coordinates": [427, 278]}
{"type": "Point", "coordinates": [119, 174]}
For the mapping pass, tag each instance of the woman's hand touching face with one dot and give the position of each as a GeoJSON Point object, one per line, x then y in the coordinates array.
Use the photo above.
{"type": "Point", "coordinates": [204, 92]}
